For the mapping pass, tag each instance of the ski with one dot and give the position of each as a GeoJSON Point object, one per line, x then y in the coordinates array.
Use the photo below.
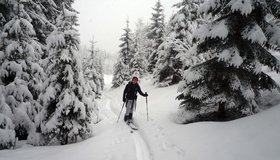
{"type": "Point", "coordinates": [132, 126]}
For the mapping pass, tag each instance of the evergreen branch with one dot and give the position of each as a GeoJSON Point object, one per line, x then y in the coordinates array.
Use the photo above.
{"type": "Point", "coordinates": [266, 58]}
{"type": "Point", "coordinates": [274, 6]}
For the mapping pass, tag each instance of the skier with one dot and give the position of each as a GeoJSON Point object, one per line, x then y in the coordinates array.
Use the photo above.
{"type": "Point", "coordinates": [130, 97]}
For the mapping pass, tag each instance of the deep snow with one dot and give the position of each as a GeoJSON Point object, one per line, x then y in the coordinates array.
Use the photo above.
{"type": "Point", "coordinates": [161, 138]}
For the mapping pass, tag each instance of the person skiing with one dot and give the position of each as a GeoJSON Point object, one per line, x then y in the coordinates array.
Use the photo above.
{"type": "Point", "coordinates": [130, 97]}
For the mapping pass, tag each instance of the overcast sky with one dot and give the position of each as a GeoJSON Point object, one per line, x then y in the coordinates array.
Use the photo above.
{"type": "Point", "coordinates": [105, 19]}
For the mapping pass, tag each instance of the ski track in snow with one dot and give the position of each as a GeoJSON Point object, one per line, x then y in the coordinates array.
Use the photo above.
{"type": "Point", "coordinates": [142, 151]}
{"type": "Point", "coordinates": [162, 145]}
{"type": "Point", "coordinates": [148, 135]}
{"type": "Point", "coordinates": [141, 147]}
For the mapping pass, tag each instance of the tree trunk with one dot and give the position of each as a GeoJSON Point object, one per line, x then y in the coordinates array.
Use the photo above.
{"type": "Point", "coordinates": [221, 110]}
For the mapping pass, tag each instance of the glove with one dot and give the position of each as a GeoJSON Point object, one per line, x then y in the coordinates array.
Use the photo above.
{"type": "Point", "coordinates": [124, 99]}
{"type": "Point", "coordinates": [146, 94]}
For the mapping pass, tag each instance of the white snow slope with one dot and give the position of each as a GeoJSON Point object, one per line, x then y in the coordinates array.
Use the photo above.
{"type": "Point", "coordinates": [161, 138]}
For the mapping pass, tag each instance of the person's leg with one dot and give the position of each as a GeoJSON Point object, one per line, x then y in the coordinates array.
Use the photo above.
{"type": "Point", "coordinates": [133, 106]}
{"type": "Point", "coordinates": [125, 118]}
{"type": "Point", "coordinates": [128, 110]}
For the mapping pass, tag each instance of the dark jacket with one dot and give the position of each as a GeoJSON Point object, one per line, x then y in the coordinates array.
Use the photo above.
{"type": "Point", "coordinates": [130, 91]}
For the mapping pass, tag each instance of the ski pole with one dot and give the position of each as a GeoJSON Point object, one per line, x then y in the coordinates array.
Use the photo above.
{"type": "Point", "coordinates": [147, 108]}
{"type": "Point", "coordinates": [120, 113]}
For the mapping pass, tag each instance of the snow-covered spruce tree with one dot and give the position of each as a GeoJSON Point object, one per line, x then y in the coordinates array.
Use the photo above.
{"type": "Point", "coordinates": [156, 34]}
{"type": "Point", "coordinates": [120, 73]}
{"type": "Point", "coordinates": [67, 113]}
{"type": "Point", "coordinates": [126, 45]}
{"type": "Point", "coordinates": [93, 72]}
{"type": "Point", "coordinates": [50, 9]}
{"type": "Point", "coordinates": [184, 22]}
{"type": "Point", "coordinates": [20, 70]}
{"type": "Point", "coordinates": [172, 56]}
{"type": "Point", "coordinates": [7, 132]}
{"type": "Point", "coordinates": [42, 27]}
{"type": "Point", "coordinates": [182, 25]}
{"type": "Point", "coordinates": [94, 78]}
{"type": "Point", "coordinates": [100, 58]}
{"type": "Point", "coordinates": [39, 12]}
{"type": "Point", "coordinates": [137, 67]}
{"type": "Point", "coordinates": [143, 44]}
{"type": "Point", "coordinates": [90, 90]}
{"type": "Point", "coordinates": [237, 43]}
{"type": "Point", "coordinates": [168, 69]}
{"type": "Point", "coordinates": [137, 63]}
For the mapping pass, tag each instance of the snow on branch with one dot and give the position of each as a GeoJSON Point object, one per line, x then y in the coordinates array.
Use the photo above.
{"type": "Point", "coordinates": [244, 6]}
{"type": "Point", "coordinates": [273, 34]}
{"type": "Point", "coordinates": [254, 34]}
{"type": "Point", "coordinates": [217, 29]}
{"type": "Point", "coordinates": [209, 5]}
{"type": "Point", "coordinates": [231, 56]}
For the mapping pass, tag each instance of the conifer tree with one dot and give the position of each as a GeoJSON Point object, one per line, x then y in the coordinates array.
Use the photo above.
{"type": "Point", "coordinates": [168, 69]}
{"type": "Point", "coordinates": [237, 43]}
{"type": "Point", "coordinates": [137, 63]}
{"type": "Point", "coordinates": [143, 44]}
{"type": "Point", "coordinates": [7, 132]}
{"type": "Point", "coordinates": [39, 15]}
{"type": "Point", "coordinates": [20, 71]}
{"type": "Point", "coordinates": [66, 117]}
{"type": "Point", "coordinates": [126, 45]}
{"type": "Point", "coordinates": [93, 70]}
{"type": "Point", "coordinates": [137, 67]}
{"type": "Point", "coordinates": [172, 53]}
{"type": "Point", "coordinates": [121, 71]}
{"type": "Point", "coordinates": [50, 9]}
{"type": "Point", "coordinates": [156, 34]}
{"type": "Point", "coordinates": [182, 26]}
{"type": "Point", "coordinates": [184, 22]}
{"type": "Point", "coordinates": [100, 58]}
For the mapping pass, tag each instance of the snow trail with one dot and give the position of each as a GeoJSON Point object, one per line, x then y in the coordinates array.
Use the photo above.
{"type": "Point", "coordinates": [151, 141]}
{"type": "Point", "coordinates": [141, 147]}
{"type": "Point", "coordinates": [111, 116]}
{"type": "Point", "coordinates": [142, 150]}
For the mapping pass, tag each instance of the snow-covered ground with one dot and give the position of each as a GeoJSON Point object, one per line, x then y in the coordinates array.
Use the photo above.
{"type": "Point", "coordinates": [161, 138]}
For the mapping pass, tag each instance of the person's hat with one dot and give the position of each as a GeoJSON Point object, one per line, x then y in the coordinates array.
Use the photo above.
{"type": "Point", "coordinates": [134, 78]}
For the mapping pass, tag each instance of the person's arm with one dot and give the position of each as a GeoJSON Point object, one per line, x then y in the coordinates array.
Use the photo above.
{"type": "Point", "coordinates": [124, 93]}
{"type": "Point", "coordinates": [140, 91]}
